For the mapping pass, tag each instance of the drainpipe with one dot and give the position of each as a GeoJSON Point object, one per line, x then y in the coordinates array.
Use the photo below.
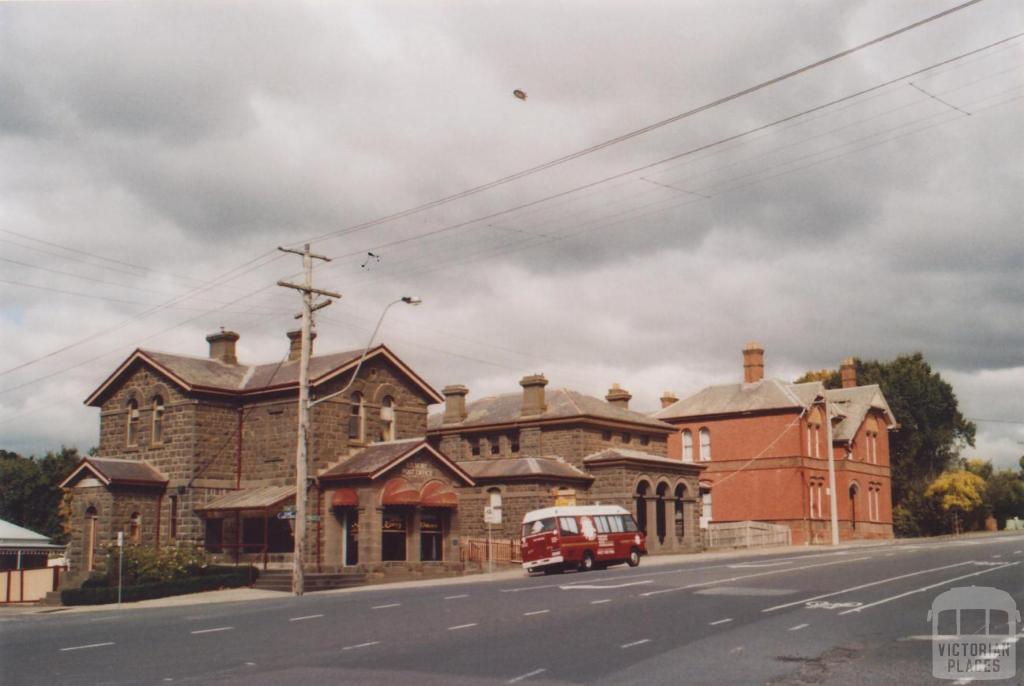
{"type": "Point", "coordinates": [238, 451]}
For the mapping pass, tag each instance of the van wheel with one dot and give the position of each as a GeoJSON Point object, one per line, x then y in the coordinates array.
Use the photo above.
{"type": "Point", "coordinates": [634, 558]}
{"type": "Point", "coordinates": [587, 563]}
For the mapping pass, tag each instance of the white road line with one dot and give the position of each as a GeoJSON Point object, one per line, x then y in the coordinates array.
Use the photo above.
{"type": "Point", "coordinates": [720, 621]}
{"type": "Point", "coordinates": [456, 597]}
{"type": "Point", "coordinates": [997, 556]}
{"type": "Point", "coordinates": [867, 585]}
{"type": "Point", "coordinates": [635, 643]}
{"type": "Point", "coordinates": [601, 587]}
{"type": "Point", "coordinates": [600, 602]}
{"type": "Point", "coordinates": [519, 678]}
{"type": "Point", "coordinates": [1018, 552]}
{"type": "Point", "coordinates": [361, 645]}
{"type": "Point", "coordinates": [299, 619]}
{"type": "Point", "coordinates": [91, 645]}
{"type": "Point", "coordinates": [751, 576]}
{"type": "Point", "coordinates": [381, 607]}
{"type": "Point", "coordinates": [929, 587]}
{"type": "Point", "coordinates": [798, 627]}
{"type": "Point", "coordinates": [461, 626]}
{"type": "Point", "coordinates": [210, 631]}
{"type": "Point", "coordinates": [535, 612]}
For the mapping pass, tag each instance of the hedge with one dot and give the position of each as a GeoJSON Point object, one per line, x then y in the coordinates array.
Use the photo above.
{"type": "Point", "coordinates": [213, 579]}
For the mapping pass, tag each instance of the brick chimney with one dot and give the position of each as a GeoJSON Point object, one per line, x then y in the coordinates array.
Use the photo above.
{"type": "Point", "coordinates": [222, 346]}
{"type": "Point", "coordinates": [533, 395]}
{"type": "Point", "coordinates": [848, 373]}
{"type": "Point", "coordinates": [753, 362]}
{"type": "Point", "coordinates": [618, 397]}
{"type": "Point", "coordinates": [454, 404]}
{"type": "Point", "coordinates": [295, 344]}
{"type": "Point", "coordinates": [668, 398]}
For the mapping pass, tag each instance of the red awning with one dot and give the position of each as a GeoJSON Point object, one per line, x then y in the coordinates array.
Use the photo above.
{"type": "Point", "coordinates": [399, 492]}
{"type": "Point", "coordinates": [345, 497]}
{"type": "Point", "coordinates": [438, 494]}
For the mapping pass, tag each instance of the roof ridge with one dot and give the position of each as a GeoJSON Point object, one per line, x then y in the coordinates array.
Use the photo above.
{"type": "Point", "coordinates": [572, 400]}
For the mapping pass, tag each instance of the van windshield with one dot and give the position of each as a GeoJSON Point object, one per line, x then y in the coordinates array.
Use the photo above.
{"type": "Point", "coordinates": [539, 527]}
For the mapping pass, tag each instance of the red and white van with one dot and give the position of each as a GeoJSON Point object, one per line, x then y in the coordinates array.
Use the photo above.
{"type": "Point", "coordinates": [580, 537]}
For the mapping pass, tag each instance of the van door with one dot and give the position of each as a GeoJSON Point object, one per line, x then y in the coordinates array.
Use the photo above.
{"type": "Point", "coordinates": [540, 539]}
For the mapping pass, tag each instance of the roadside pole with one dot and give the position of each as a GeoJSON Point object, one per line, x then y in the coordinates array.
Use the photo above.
{"type": "Point", "coordinates": [832, 499]}
{"type": "Point", "coordinates": [302, 447]}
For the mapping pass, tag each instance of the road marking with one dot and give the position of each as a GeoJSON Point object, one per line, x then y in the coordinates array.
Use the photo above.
{"type": "Point", "coordinates": [381, 607]}
{"type": "Point", "coordinates": [867, 585]}
{"type": "Point", "coordinates": [527, 588]}
{"type": "Point", "coordinates": [599, 602]}
{"type": "Point", "coordinates": [91, 645]}
{"type": "Point", "coordinates": [964, 681]}
{"type": "Point", "coordinates": [997, 556]}
{"type": "Point", "coordinates": [749, 565]}
{"type": "Point", "coordinates": [361, 645]}
{"type": "Point", "coordinates": [929, 587]}
{"type": "Point", "coordinates": [635, 643]}
{"type": "Point", "coordinates": [826, 605]}
{"type": "Point", "coordinates": [1018, 552]}
{"type": "Point", "coordinates": [299, 619]}
{"type": "Point", "coordinates": [210, 631]}
{"type": "Point", "coordinates": [750, 576]}
{"type": "Point", "coordinates": [535, 612]}
{"type": "Point", "coordinates": [461, 626]}
{"type": "Point", "coordinates": [519, 678]}
{"type": "Point", "coordinates": [720, 621]}
{"type": "Point", "coordinates": [456, 597]}
{"type": "Point", "coordinates": [601, 587]}
{"type": "Point", "coordinates": [798, 627]}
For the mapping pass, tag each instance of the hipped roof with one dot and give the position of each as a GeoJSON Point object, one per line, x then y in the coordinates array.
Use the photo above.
{"type": "Point", "coordinates": [524, 468]}
{"type": "Point", "coordinates": [764, 395]}
{"type": "Point", "coordinates": [14, 536]}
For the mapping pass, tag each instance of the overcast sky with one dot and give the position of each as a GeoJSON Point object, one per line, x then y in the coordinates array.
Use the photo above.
{"type": "Point", "coordinates": [153, 155]}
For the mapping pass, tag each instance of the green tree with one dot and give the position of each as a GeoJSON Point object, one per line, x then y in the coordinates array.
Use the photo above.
{"type": "Point", "coordinates": [29, 493]}
{"type": "Point", "coordinates": [1004, 495]}
{"type": "Point", "coordinates": [959, 493]}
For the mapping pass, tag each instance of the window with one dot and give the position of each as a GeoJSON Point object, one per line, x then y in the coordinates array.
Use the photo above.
{"type": "Point", "coordinates": [494, 498]}
{"type": "Point", "coordinates": [687, 446]}
{"type": "Point", "coordinates": [645, 440]}
{"type": "Point", "coordinates": [513, 442]}
{"type": "Point", "coordinates": [174, 516]}
{"type": "Point", "coordinates": [158, 419]}
{"type": "Point", "coordinates": [135, 528]}
{"type": "Point", "coordinates": [91, 517]}
{"type": "Point", "coordinates": [475, 446]}
{"type": "Point", "coordinates": [495, 442]}
{"type": "Point", "coordinates": [814, 433]}
{"type": "Point", "coordinates": [357, 418]}
{"type": "Point", "coordinates": [601, 524]}
{"type": "Point", "coordinates": [274, 533]}
{"type": "Point", "coordinates": [705, 444]}
{"type": "Point", "coordinates": [705, 511]}
{"type": "Point", "coordinates": [626, 437]}
{"type": "Point", "coordinates": [538, 527]}
{"type": "Point", "coordinates": [431, 536]}
{"type": "Point", "coordinates": [133, 422]}
{"type": "Point", "coordinates": [606, 436]}
{"type": "Point", "coordinates": [628, 523]}
{"type": "Point", "coordinates": [615, 523]}
{"type": "Point", "coordinates": [393, 535]}
{"type": "Point", "coordinates": [214, 537]}
{"type": "Point", "coordinates": [567, 526]}
{"type": "Point", "coordinates": [387, 419]}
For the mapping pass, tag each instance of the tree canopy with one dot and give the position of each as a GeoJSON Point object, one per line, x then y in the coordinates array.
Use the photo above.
{"type": "Point", "coordinates": [29, 493]}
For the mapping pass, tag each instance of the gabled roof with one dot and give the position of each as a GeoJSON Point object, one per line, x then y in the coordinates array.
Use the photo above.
{"type": "Point", "coordinates": [852, 405]}
{"type": "Point", "coordinates": [616, 455]}
{"type": "Point", "coordinates": [116, 471]}
{"type": "Point", "coordinates": [562, 403]}
{"type": "Point", "coordinates": [215, 376]}
{"type": "Point", "coordinates": [524, 468]}
{"type": "Point", "coordinates": [764, 395]}
{"type": "Point", "coordinates": [378, 458]}
{"type": "Point", "coordinates": [261, 498]}
{"type": "Point", "coordinates": [14, 536]}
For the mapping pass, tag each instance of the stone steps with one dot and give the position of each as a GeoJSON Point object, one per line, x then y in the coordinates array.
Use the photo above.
{"type": "Point", "coordinates": [281, 580]}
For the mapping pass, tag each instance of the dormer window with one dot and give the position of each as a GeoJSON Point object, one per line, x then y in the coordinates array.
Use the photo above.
{"type": "Point", "coordinates": [387, 419]}
{"type": "Point", "coordinates": [158, 419]}
{"type": "Point", "coordinates": [133, 422]}
{"type": "Point", "coordinates": [357, 419]}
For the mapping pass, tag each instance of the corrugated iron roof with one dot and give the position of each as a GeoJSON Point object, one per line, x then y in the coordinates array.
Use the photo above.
{"type": "Point", "coordinates": [250, 499]}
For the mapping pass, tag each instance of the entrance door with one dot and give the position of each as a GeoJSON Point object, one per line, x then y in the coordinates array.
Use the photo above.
{"type": "Point", "coordinates": [432, 527]}
{"type": "Point", "coordinates": [351, 538]}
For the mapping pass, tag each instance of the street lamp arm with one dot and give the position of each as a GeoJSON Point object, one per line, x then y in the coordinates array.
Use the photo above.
{"type": "Point", "coordinates": [406, 299]}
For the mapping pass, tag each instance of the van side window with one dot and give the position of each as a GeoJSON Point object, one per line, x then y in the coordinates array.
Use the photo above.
{"type": "Point", "coordinates": [615, 523]}
{"type": "Point", "coordinates": [602, 524]}
{"type": "Point", "coordinates": [628, 524]}
{"type": "Point", "coordinates": [567, 526]}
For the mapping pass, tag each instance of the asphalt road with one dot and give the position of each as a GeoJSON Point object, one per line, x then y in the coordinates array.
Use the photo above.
{"type": "Point", "coordinates": [852, 616]}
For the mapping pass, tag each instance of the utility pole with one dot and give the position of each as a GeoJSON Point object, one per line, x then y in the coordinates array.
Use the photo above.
{"type": "Point", "coordinates": [832, 499]}
{"type": "Point", "coordinates": [302, 448]}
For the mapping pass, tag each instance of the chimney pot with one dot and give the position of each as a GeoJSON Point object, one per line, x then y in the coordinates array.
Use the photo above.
{"type": "Point", "coordinates": [753, 362]}
{"type": "Point", "coordinates": [222, 346]}
{"type": "Point", "coordinates": [668, 398]}
{"type": "Point", "coordinates": [295, 343]}
{"type": "Point", "coordinates": [848, 373]}
{"type": "Point", "coordinates": [618, 397]}
{"type": "Point", "coordinates": [454, 404]}
{"type": "Point", "coordinates": [533, 395]}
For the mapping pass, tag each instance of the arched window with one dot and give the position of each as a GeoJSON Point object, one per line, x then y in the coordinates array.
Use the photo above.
{"type": "Point", "coordinates": [494, 499]}
{"type": "Point", "coordinates": [680, 494]}
{"type": "Point", "coordinates": [357, 419]}
{"type": "Point", "coordinates": [705, 511]}
{"type": "Point", "coordinates": [91, 518]}
{"type": "Point", "coordinates": [387, 419]}
{"type": "Point", "coordinates": [133, 422]}
{"type": "Point", "coordinates": [158, 419]}
{"type": "Point", "coordinates": [814, 433]}
{"type": "Point", "coordinates": [640, 505]}
{"type": "Point", "coordinates": [854, 490]}
{"type": "Point", "coordinates": [705, 444]}
{"type": "Point", "coordinates": [687, 445]}
{"type": "Point", "coordinates": [135, 528]}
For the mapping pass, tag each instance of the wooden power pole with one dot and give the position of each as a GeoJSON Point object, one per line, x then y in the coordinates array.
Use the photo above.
{"type": "Point", "coordinates": [302, 448]}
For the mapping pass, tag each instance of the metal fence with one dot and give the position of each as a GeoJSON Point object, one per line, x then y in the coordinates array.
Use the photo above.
{"type": "Point", "coordinates": [746, 535]}
{"type": "Point", "coordinates": [500, 550]}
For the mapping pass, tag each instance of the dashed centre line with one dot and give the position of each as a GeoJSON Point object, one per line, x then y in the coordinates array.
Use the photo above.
{"type": "Point", "coordinates": [600, 602]}
{"type": "Point", "coordinates": [635, 643]}
{"type": "Point", "coordinates": [521, 677]}
{"type": "Point", "coordinates": [798, 627]}
{"type": "Point", "coordinates": [535, 612]}
{"type": "Point", "coordinates": [211, 631]}
{"type": "Point", "coordinates": [301, 619]}
{"type": "Point", "coordinates": [720, 621]}
{"type": "Point", "coordinates": [361, 645]}
{"type": "Point", "coordinates": [456, 597]}
{"type": "Point", "coordinates": [91, 645]}
{"type": "Point", "coordinates": [383, 607]}
{"type": "Point", "coordinates": [461, 626]}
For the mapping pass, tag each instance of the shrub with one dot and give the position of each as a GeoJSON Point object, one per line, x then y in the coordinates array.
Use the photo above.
{"type": "Point", "coordinates": [143, 565]}
{"type": "Point", "coordinates": [213, 578]}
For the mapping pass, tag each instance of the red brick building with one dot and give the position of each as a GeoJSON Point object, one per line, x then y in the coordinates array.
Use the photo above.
{"type": "Point", "coordinates": [765, 444]}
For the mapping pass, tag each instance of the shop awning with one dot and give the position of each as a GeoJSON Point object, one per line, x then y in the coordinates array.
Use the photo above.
{"type": "Point", "coordinates": [345, 497]}
{"type": "Point", "coordinates": [399, 492]}
{"type": "Point", "coordinates": [438, 494]}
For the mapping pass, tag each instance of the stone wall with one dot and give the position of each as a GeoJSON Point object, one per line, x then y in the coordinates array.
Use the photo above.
{"type": "Point", "coordinates": [517, 498]}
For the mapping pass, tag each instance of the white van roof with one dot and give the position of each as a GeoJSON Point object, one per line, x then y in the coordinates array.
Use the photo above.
{"type": "Point", "coordinates": [573, 510]}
